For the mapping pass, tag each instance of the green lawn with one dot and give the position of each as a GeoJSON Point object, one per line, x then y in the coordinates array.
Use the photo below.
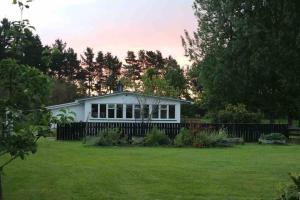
{"type": "Point", "coordinates": [69, 170]}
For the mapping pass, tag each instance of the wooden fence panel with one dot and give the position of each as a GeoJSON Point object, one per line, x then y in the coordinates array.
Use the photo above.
{"type": "Point", "coordinates": [250, 132]}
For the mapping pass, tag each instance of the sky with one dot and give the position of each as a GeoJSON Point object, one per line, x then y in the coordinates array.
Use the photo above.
{"type": "Point", "coordinates": [114, 26]}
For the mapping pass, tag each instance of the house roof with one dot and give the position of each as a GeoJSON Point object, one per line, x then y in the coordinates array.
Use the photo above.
{"type": "Point", "coordinates": [81, 100]}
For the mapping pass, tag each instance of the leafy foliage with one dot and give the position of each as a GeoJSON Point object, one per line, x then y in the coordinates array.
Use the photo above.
{"type": "Point", "coordinates": [236, 114]}
{"type": "Point", "coordinates": [184, 138]}
{"type": "Point", "coordinates": [109, 137]}
{"type": "Point", "coordinates": [156, 137]}
{"type": "Point", "coordinates": [292, 191]}
{"type": "Point", "coordinates": [209, 138]}
{"type": "Point", "coordinates": [247, 52]}
{"type": "Point", "coordinates": [65, 116]}
{"type": "Point", "coordinates": [273, 136]}
{"type": "Point", "coordinates": [22, 86]}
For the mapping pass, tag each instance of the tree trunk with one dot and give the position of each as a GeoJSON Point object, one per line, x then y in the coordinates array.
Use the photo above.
{"type": "Point", "coordinates": [1, 192]}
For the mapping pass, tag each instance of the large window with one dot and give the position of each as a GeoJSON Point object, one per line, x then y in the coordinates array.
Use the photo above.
{"type": "Point", "coordinates": [94, 112]}
{"type": "Point", "coordinates": [111, 110]}
{"type": "Point", "coordinates": [146, 111]}
{"type": "Point", "coordinates": [102, 110]}
{"type": "Point", "coordinates": [119, 110]}
{"type": "Point", "coordinates": [171, 111]}
{"type": "Point", "coordinates": [163, 111]}
{"type": "Point", "coordinates": [155, 109]}
{"type": "Point", "coordinates": [137, 111]}
{"type": "Point", "coordinates": [129, 108]}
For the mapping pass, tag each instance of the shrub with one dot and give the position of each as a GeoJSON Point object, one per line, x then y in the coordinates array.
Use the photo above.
{"type": "Point", "coordinates": [91, 140]}
{"type": "Point", "coordinates": [273, 136]}
{"type": "Point", "coordinates": [156, 137]}
{"type": "Point", "coordinates": [184, 138]}
{"type": "Point", "coordinates": [236, 114]}
{"type": "Point", "coordinates": [210, 139]}
{"type": "Point", "coordinates": [292, 191]}
{"type": "Point", "coordinates": [109, 137]}
{"type": "Point", "coordinates": [137, 141]}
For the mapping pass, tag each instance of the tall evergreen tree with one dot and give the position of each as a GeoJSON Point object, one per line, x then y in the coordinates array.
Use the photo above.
{"type": "Point", "coordinates": [113, 67]}
{"type": "Point", "coordinates": [132, 67]}
{"type": "Point", "coordinates": [90, 67]}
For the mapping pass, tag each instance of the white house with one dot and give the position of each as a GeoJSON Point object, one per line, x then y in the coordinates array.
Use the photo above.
{"type": "Point", "coordinates": [124, 107]}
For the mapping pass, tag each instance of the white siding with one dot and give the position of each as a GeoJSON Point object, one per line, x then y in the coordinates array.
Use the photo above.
{"type": "Point", "coordinates": [82, 108]}
{"type": "Point", "coordinates": [131, 99]}
{"type": "Point", "coordinates": [78, 109]}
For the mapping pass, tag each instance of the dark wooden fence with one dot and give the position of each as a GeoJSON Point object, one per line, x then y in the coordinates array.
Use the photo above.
{"type": "Point", "coordinates": [250, 132]}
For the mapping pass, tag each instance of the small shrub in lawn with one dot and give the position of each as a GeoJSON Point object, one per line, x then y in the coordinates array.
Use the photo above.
{"type": "Point", "coordinates": [156, 137]}
{"type": "Point", "coordinates": [273, 138]}
{"type": "Point", "coordinates": [210, 139]}
{"type": "Point", "coordinates": [184, 138]}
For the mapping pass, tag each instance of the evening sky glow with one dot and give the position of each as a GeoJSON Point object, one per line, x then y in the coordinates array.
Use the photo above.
{"type": "Point", "coordinates": [110, 25]}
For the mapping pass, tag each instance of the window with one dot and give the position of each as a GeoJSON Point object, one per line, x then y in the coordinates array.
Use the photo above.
{"type": "Point", "coordinates": [146, 111]}
{"type": "Point", "coordinates": [111, 110]}
{"type": "Point", "coordinates": [119, 111]}
{"type": "Point", "coordinates": [155, 111]}
{"type": "Point", "coordinates": [94, 112]}
{"type": "Point", "coordinates": [163, 111]}
{"type": "Point", "coordinates": [129, 111]}
{"type": "Point", "coordinates": [137, 111]}
{"type": "Point", "coordinates": [171, 111]}
{"type": "Point", "coordinates": [102, 110]}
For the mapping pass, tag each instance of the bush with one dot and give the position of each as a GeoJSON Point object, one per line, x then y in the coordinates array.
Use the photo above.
{"type": "Point", "coordinates": [292, 191]}
{"type": "Point", "coordinates": [91, 140]}
{"type": "Point", "coordinates": [273, 138]}
{"type": "Point", "coordinates": [137, 141]}
{"type": "Point", "coordinates": [156, 137]}
{"type": "Point", "coordinates": [109, 137]}
{"type": "Point", "coordinates": [210, 139]}
{"type": "Point", "coordinates": [184, 138]}
{"type": "Point", "coordinates": [236, 114]}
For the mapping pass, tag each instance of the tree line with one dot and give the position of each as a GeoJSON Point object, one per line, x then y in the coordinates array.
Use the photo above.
{"type": "Point", "coordinates": [94, 73]}
{"type": "Point", "coordinates": [247, 52]}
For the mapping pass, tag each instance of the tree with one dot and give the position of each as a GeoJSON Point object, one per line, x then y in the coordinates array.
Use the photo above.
{"type": "Point", "coordinates": [62, 92]}
{"type": "Point", "coordinates": [100, 73]}
{"type": "Point", "coordinates": [113, 68]}
{"type": "Point", "coordinates": [247, 52]}
{"type": "Point", "coordinates": [175, 77]}
{"type": "Point", "coordinates": [24, 91]}
{"type": "Point", "coordinates": [132, 67]}
{"type": "Point", "coordinates": [90, 67]}
{"type": "Point", "coordinates": [18, 42]}
{"type": "Point", "coordinates": [22, 87]}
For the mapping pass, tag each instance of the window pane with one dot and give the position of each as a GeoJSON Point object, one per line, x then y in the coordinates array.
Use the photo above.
{"type": "Point", "coordinates": [128, 111]}
{"type": "Point", "coordinates": [102, 110]}
{"type": "Point", "coordinates": [155, 111]}
{"type": "Point", "coordinates": [111, 110]}
{"type": "Point", "coordinates": [94, 113]}
{"type": "Point", "coordinates": [171, 111]}
{"type": "Point", "coordinates": [119, 111]}
{"type": "Point", "coordinates": [146, 111]}
{"type": "Point", "coordinates": [137, 111]}
{"type": "Point", "coordinates": [163, 111]}
{"type": "Point", "coordinates": [112, 106]}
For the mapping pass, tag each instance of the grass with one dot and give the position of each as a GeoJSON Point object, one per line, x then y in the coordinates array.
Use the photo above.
{"type": "Point", "coordinates": [69, 170]}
